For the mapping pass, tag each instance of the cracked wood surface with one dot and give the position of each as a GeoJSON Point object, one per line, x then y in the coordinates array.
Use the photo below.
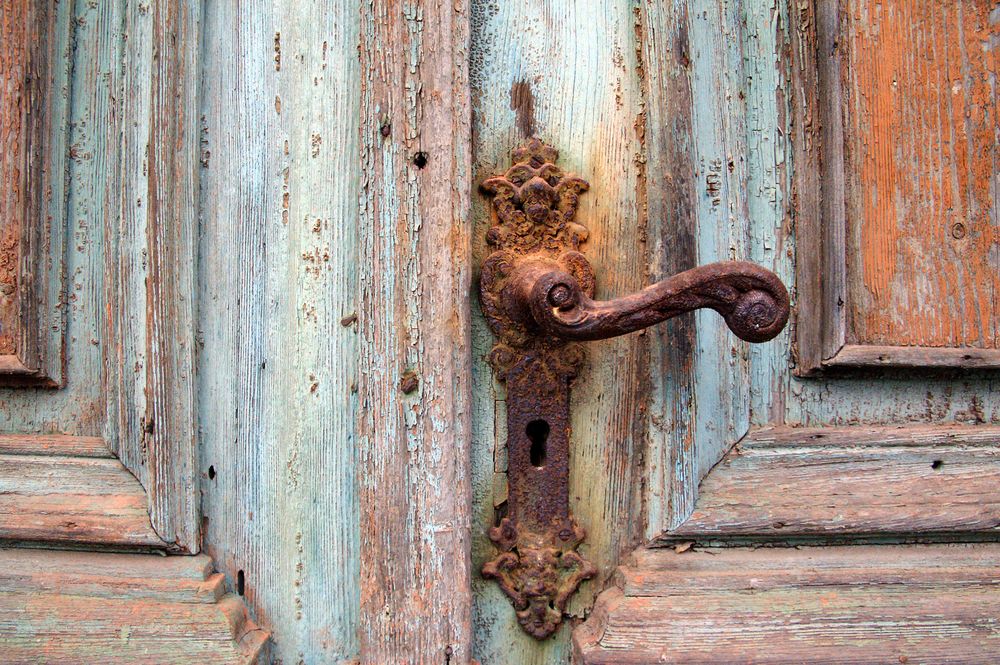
{"type": "Point", "coordinates": [414, 429]}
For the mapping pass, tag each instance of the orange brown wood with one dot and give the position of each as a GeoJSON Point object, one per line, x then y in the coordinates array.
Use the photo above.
{"type": "Point", "coordinates": [863, 604]}
{"type": "Point", "coordinates": [84, 607]}
{"type": "Point", "coordinates": [14, 102]}
{"type": "Point", "coordinates": [920, 126]}
{"type": "Point", "coordinates": [64, 499]}
{"type": "Point", "coordinates": [894, 133]}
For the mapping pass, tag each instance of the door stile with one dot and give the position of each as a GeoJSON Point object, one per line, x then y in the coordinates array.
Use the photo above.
{"type": "Point", "coordinates": [414, 312]}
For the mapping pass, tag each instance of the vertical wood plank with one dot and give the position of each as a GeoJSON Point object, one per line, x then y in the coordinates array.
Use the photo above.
{"type": "Point", "coordinates": [277, 339]}
{"type": "Point", "coordinates": [152, 264]}
{"type": "Point", "coordinates": [171, 307]}
{"type": "Point", "coordinates": [15, 98]}
{"type": "Point", "coordinates": [414, 424]}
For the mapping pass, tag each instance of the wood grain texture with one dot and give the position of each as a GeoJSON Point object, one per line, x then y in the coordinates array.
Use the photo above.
{"type": "Point", "coordinates": [71, 607]}
{"type": "Point", "coordinates": [106, 167]}
{"type": "Point", "coordinates": [151, 263]}
{"type": "Point", "coordinates": [906, 221]}
{"type": "Point", "coordinates": [73, 500]}
{"type": "Point", "coordinates": [277, 344]}
{"type": "Point", "coordinates": [15, 28]}
{"type": "Point", "coordinates": [32, 124]}
{"type": "Point", "coordinates": [920, 128]}
{"type": "Point", "coordinates": [413, 319]}
{"type": "Point", "coordinates": [569, 74]}
{"type": "Point", "coordinates": [53, 444]}
{"type": "Point", "coordinates": [876, 604]}
{"type": "Point", "coordinates": [789, 482]}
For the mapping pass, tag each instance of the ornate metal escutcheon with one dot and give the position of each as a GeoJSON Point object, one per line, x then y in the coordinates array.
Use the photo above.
{"type": "Point", "coordinates": [536, 291]}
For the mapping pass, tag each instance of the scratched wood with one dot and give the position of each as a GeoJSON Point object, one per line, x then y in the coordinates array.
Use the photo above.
{"type": "Point", "coordinates": [15, 23]}
{"type": "Point", "coordinates": [73, 607]}
{"type": "Point", "coordinates": [278, 308]}
{"type": "Point", "coordinates": [570, 75]}
{"type": "Point", "coordinates": [876, 604]}
{"type": "Point", "coordinates": [920, 126]}
{"type": "Point", "coordinates": [413, 320]}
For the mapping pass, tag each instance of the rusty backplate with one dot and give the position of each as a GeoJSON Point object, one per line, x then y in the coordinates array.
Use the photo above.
{"type": "Point", "coordinates": [536, 291]}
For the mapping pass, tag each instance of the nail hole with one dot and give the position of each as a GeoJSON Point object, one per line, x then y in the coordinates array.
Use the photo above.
{"type": "Point", "coordinates": [211, 473]}
{"type": "Point", "coordinates": [420, 160]}
{"type": "Point", "coordinates": [240, 583]}
{"type": "Point", "coordinates": [937, 464]}
{"type": "Point", "coordinates": [538, 434]}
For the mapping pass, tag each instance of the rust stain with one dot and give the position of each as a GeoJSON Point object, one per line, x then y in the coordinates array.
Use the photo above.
{"type": "Point", "coordinates": [522, 102]}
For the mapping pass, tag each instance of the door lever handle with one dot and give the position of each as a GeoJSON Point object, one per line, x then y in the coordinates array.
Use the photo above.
{"type": "Point", "coordinates": [536, 290]}
{"type": "Point", "coordinates": [751, 299]}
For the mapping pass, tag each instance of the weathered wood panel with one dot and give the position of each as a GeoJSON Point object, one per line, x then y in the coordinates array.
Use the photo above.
{"type": "Point", "coordinates": [63, 607]}
{"type": "Point", "coordinates": [413, 320]}
{"type": "Point", "coordinates": [277, 338]}
{"type": "Point", "coordinates": [78, 500]}
{"type": "Point", "coordinates": [32, 124]}
{"type": "Point", "coordinates": [852, 481]}
{"type": "Point", "coordinates": [920, 129]}
{"type": "Point", "coordinates": [149, 172]}
{"type": "Point", "coordinates": [568, 73]}
{"type": "Point", "coordinates": [86, 42]}
{"type": "Point", "coordinates": [818, 605]}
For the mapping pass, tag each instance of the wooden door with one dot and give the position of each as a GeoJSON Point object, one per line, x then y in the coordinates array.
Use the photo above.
{"type": "Point", "coordinates": [239, 326]}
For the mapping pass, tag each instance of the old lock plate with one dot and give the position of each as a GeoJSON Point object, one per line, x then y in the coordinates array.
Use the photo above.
{"type": "Point", "coordinates": [536, 291]}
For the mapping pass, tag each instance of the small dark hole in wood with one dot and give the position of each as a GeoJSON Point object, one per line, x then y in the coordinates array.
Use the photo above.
{"type": "Point", "coordinates": [966, 357]}
{"type": "Point", "coordinates": [420, 160]}
{"type": "Point", "coordinates": [211, 473]}
{"type": "Point", "coordinates": [937, 464]}
{"type": "Point", "coordinates": [241, 583]}
{"type": "Point", "coordinates": [538, 434]}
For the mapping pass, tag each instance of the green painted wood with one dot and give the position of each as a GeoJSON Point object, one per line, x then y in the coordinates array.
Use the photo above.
{"type": "Point", "coordinates": [277, 368]}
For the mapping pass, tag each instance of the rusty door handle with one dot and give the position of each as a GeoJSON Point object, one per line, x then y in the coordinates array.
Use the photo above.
{"type": "Point", "coordinates": [536, 291]}
{"type": "Point", "coordinates": [751, 299]}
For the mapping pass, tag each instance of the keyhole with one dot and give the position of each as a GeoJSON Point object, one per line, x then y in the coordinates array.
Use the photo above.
{"type": "Point", "coordinates": [538, 434]}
